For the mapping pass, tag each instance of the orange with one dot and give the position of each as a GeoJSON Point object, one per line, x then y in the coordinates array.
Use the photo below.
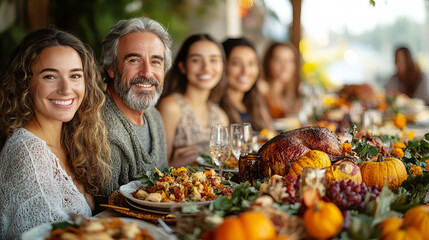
{"type": "Point", "coordinates": [257, 226]}
{"type": "Point", "coordinates": [230, 229]}
{"type": "Point", "coordinates": [248, 226]}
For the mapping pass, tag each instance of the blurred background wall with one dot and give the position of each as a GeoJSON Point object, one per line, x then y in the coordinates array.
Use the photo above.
{"type": "Point", "coordinates": [341, 41]}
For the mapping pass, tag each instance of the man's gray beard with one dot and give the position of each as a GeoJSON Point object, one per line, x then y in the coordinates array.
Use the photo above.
{"type": "Point", "coordinates": [141, 101]}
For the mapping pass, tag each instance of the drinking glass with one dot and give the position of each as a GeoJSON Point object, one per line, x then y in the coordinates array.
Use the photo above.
{"type": "Point", "coordinates": [237, 139]}
{"type": "Point", "coordinates": [356, 111]}
{"type": "Point", "coordinates": [247, 138]}
{"type": "Point", "coordinates": [220, 145]}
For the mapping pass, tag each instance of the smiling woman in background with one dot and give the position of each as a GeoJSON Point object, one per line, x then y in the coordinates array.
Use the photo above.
{"type": "Point", "coordinates": [243, 102]}
{"type": "Point", "coordinates": [188, 107]}
{"type": "Point", "coordinates": [408, 78]}
{"type": "Point", "coordinates": [54, 153]}
{"type": "Point", "coordinates": [281, 84]}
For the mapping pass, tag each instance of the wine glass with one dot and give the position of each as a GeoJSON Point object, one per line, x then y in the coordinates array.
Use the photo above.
{"type": "Point", "coordinates": [237, 139]}
{"type": "Point", "coordinates": [247, 146]}
{"type": "Point", "coordinates": [220, 145]}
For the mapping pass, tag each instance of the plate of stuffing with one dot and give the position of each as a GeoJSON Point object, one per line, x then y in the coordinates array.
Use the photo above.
{"type": "Point", "coordinates": [97, 228]}
{"type": "Point", "coordinates": [176, 186]}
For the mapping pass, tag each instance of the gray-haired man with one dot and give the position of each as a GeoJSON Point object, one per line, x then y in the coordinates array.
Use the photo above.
{"type": "Point", "coordinates": [135, 56]}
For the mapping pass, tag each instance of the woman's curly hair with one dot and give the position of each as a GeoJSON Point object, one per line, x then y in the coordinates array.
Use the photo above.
{"type": "Point", "coordinates": [84, 137]}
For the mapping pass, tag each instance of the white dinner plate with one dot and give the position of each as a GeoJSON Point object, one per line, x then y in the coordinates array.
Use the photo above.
{"type": "Point", "coordinates": [156, 211]}
{"type": "Point", "coordinates": [43, 231]}
{"type": "Point", "coordinates": [128, 189]}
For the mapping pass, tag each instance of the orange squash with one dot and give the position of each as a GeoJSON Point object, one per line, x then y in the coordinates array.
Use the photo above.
{"type": "Point", "coordinates": [343, 169]}
{"type": "Point", "coordinates": [388, 170]}
{"type": "Point", "coordinates": [388, 225]}
{"type": "Point", "coordinates": [323, 220]}
{"type": "Point", "coordinates": [403, 233]}
{"type": "Point", "coordinates": [247, 226]}
{"type": "Point", "coordinates": [418, 217]}
{"type": "Point", "coordinates": [313, 158]}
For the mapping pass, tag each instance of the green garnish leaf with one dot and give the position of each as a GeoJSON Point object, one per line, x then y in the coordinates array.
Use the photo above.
{"type": "Point", "coordinates": [239, 201]}
{"type": "Point", "coordinates": [149, 178]}
{"type": "Point", "coordinates": [63, 225]}
{"type": "Point", "coordinates": [190, 208]}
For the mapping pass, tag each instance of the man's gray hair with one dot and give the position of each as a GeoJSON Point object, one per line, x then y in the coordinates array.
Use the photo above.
{"type": "Point", "coordinates": [109, 46]}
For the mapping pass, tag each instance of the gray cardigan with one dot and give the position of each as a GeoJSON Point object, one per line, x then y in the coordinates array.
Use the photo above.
{"type": "Point", "coordinates": [127, 153]}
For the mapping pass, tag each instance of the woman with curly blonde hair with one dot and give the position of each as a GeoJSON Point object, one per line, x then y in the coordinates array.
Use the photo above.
{"type": "Point", "coordinates": [54, 156]}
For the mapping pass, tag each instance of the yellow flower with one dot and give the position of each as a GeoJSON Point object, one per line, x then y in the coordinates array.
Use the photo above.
{"type": "Point", "coordinates": [400, 121]}
{"type": "Point", "coordinates": [427, 162]}
{"type": "Point", "coordinates": [346, 148]}
{"type": "Point", "coordinates": [181, 169]}
{"type": "Point", "coordinates": [399, 145]}
{"type": "Point", "coordinates": [329, 100]}
{"type": "Point", "coordinates": [415, 170]}
{"type": "Point", "coordinates": [427, 167]}
{"type": "Point", "coordinates": [411, 135]}
{"type": "Point", "coordinates": [398, 152]}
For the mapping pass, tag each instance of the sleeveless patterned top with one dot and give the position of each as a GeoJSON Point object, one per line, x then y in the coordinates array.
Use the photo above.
{"type": "Point", "coordinates": [189, 131]}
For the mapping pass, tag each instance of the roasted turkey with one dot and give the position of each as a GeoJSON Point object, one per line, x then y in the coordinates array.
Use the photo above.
{"type": "Point", "coordinates": [278, 154]}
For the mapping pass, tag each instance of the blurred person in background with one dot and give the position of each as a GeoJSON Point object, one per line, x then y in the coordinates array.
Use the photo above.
{"type": "Point", "coordinates": [189, 106]}
{"type": "Point", "coordinates": [243, 101]}
{"type": "Point", "coordinates": [281, 84]}
{"type": "Point", "coordinates": [55, 156]}
{"type": "Point", "coordinates": [408, 78]}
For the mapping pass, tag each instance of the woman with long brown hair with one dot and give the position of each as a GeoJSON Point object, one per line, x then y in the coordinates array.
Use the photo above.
{"type": "Point", "coordinates": [243, 102]}
{"type": "Point", "coordinates": [188, 106]}
{"type": "Point", "coordinates": [54, 156]}
{"type": "Point", "coordinates": [408, 78]}
{"type": "Point", "coordinates": [281, 83]}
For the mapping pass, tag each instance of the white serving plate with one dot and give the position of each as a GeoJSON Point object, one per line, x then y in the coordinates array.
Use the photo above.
{"type": "Point", "coordinates": [43, 231]}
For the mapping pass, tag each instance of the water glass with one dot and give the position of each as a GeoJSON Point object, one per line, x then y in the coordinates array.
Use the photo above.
{"type": "Point", "coordinates": [220, 144]}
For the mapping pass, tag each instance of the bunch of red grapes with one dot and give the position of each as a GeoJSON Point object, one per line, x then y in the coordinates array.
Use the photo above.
{"type": "Point", "coordinates": [349, 195]}
{"type": "Point", "coordinates": [292, 185]}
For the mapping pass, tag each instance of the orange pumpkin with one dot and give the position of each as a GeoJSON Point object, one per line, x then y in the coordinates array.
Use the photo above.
{"type": "Point", "coordinates": [344, 169]}
{"type": "Point", "coordinates": [388, 170]}
{"type": "Point", "coordinates": [281, 238]}
{"type": "Point", "coordinates": [403, 233]}
{"type": "Point", "coordinates": [388, 225]}
{"type": "Point", "coordinates": [247, 226]}
{"type": "Point", "coordinates": [323, 220]}
{"type": "Point", "coordinates": [313, 158]}
{"type": "Point", "coordinates": [418, 217]}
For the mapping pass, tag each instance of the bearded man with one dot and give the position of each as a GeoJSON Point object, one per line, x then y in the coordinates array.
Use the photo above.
{"type": "Point", "coordinates": [135, 56]}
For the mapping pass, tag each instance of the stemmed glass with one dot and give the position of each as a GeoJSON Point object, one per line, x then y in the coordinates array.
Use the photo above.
{"type": "Point", "coordinates": [237, 139]}
{"type": "Point", "coordinates": [220, 145]}
{"type": "Point", "coordinates": [247, 138]}
{"type": "Point", "coordinates": [242, 141]}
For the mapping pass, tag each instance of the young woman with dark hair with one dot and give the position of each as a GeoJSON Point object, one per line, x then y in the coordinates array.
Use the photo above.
{"type": "Point", "coordinates": [243, 102]}
{"type": "Point", "coordinates": [189, 106]}
{"type": "Point", "coordinates": [408, 78]}
{"type": "Point", "coordinates": [281, 83]}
